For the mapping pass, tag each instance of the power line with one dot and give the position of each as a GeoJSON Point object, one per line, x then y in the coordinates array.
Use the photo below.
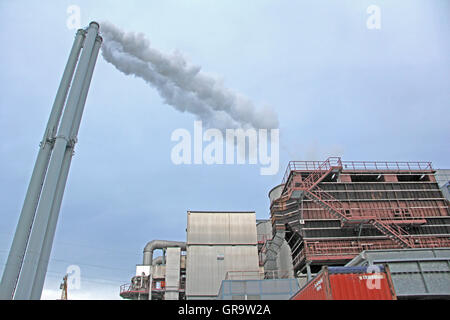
{"type": "Point", "coordinates": [97, 248]}
{"type": "Point", "coordinates": [82, 264]}
{"type": "Point", "coordinates": [89, 265]}
{"type": "Point", "coordinates": [56, 274]}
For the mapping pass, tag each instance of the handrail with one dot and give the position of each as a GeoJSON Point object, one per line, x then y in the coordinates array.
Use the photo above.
{"type": "Point", "coordinates": [308, 166]}
{"type": "Point", "coordinates": [258, 275]}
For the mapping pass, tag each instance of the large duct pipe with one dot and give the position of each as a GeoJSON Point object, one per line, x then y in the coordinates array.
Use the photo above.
{"type": "Point", "coordinates": [21, 236]}
{"type": "Point", "coordinates": [159, 244]}
{"type": "Point", "coordinates": [50, 188]}
{"type": "Point", "coordinates": [273, 248]}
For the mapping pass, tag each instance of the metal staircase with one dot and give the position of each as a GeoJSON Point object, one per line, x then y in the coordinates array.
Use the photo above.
{"type": "Point", "coordinates": [398, 236]}
{"type": "Point", "coordinates": [309, 188]}
{"type": "Point", "coordinates": [321, 170]}
{"type": "Point", "coordinates": [329, 203]}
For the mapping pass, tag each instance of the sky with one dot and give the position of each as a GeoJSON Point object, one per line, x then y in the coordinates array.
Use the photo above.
{"type": "Point", "coordinates": [337, 87]}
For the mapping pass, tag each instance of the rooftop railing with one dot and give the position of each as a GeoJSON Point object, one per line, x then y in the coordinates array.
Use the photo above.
{"type": "Point", "coordinates": [309, 166]}
{"type": "Point", "coordinates": [258, 275]}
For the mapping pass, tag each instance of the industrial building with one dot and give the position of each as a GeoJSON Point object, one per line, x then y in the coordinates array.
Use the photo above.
{"type": "Point", "coordinates": [330, 211]}
{"type": "Point", "coordinates": [351, 214]}
{"type": "Point", "coordinates": [160, 278]}
{"type": "Point", "coordinates": [225, 246]}
{"type": "Point", "coordinates": [219, 244]}
{"type": "Point", "coordinates": [324, 213]}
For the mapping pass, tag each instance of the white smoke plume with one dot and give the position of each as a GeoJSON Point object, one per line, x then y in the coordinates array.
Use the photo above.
{"type": "Point", "coordinates": [181, 84]}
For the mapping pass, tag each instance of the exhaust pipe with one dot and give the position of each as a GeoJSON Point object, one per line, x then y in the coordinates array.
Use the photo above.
{"type": "Point", "coordinates": [159, 244]}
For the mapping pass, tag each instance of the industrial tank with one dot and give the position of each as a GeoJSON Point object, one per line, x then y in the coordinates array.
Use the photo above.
{"type": "Point", "coordinates": [275, 193]}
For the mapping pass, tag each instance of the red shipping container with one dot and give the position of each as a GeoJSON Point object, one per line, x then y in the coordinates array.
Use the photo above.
{"type": "Point", "coordinates": [349, 283]}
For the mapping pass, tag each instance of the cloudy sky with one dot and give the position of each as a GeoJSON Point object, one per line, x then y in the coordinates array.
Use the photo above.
{"type": "Point", "coordinates": [338, 88]}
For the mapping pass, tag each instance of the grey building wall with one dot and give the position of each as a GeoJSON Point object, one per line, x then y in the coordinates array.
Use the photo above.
{"type": "Point", "coordinates": [219, 243]}
{"type": "Point", "coordinates": [443, 180]}
{"type": "Point", "coordinates": [265, 289]}
{"type": "Point", "coordinates": [173, 273]}
{"type": "Point", "coordinates": [415, 273]}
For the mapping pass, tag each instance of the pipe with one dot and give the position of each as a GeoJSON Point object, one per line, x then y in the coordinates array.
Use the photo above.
{"type": "Point", "coordinates": [51, 227]}
{"type": "Point", "coordinates": [159, 244]}
{"type": "Point", "coordinates": [50, 188]}
{"type": "Point", "coordinates": [21, 236]}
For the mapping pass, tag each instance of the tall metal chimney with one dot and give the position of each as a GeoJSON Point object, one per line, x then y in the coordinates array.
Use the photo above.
{"type": "Point", "coordinates": [24, 274]}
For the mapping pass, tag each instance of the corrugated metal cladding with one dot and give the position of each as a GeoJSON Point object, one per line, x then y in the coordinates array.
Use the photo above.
{"type": "Point", "coordinates": [443, 180]}
{"type": "Point", "coordinates": [415, 273]}
{"type": "Point", "coordinates": [217, 243]}
{"type": "Point", "coordinates": [173, 273]}
{"type": "Point", "coordinates": [221, 228]}
{"type": "Point", "coordinates": [264, 230]}
{"type": "Point", "coordinates": [442, 176]}
{"type": "Point", "coordinates": [268, 289]}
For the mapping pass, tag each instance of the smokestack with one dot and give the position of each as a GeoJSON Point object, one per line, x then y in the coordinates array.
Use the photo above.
{"type": "Point", "coordinates": [51, 227]}
{"type": "Point", "coordinates": [20, 241]}
{"type": "Point", "coordinates": [28, 259]}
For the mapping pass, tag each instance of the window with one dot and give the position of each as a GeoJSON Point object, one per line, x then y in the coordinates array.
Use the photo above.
{"type": "Point", "coordinates": [367, 178]}
{"type": "Point", "coordinates": [412, 177]}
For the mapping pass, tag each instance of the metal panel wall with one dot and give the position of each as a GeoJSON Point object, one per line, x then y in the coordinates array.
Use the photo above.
{"type": "Point", "coordinates": [264, 230]}
{"type": "Point", "coordinates": [268, 289]}
{"type": "Point", "coordinates": [242, 228]}
{"type": "Point", "coordinates": [442, 176]}
{"type": "Point", "coordinates": [415, 273]}
{"type": "Point", "coordinates": [221, 228]}
{"type": "Point", "coordinates": [218, 242]}
{"type": "Point", "coordinates": [173, 273]}
{"type": "Point", "coordinates": [207, 266]}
